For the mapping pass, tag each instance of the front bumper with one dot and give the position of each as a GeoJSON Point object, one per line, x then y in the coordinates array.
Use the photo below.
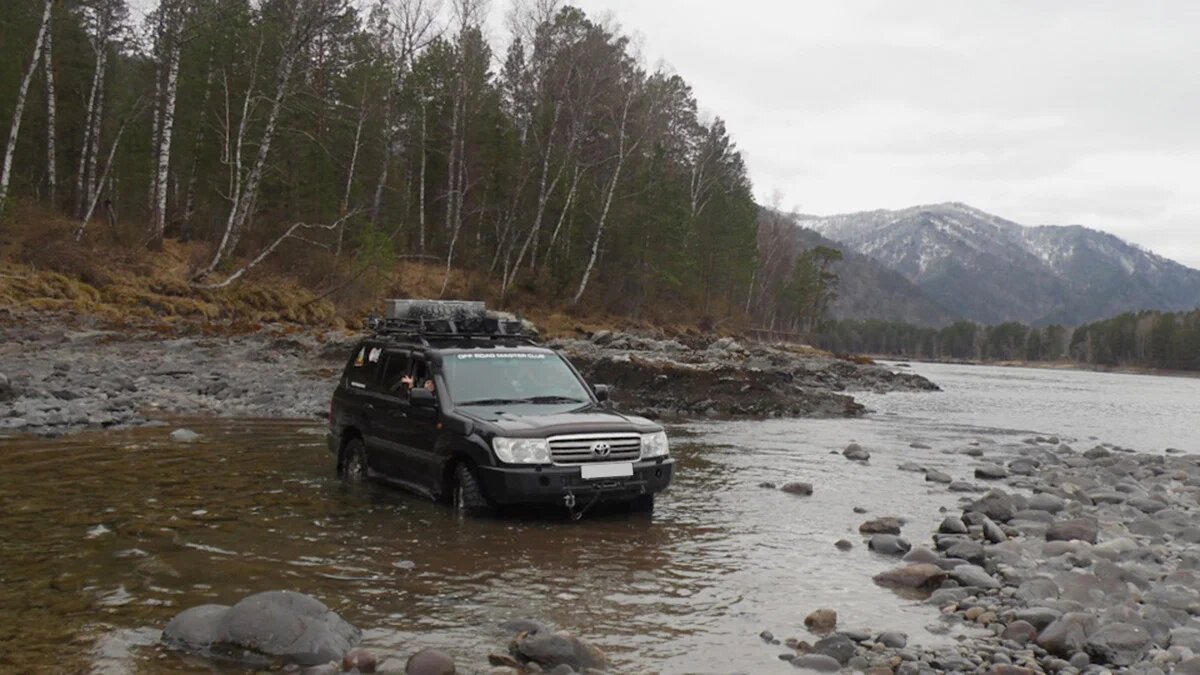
{"type": "Point", "coordinates": [532, 484]}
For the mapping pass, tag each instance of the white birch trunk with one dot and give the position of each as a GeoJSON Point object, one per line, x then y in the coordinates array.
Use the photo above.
{"type": "Point", "coordinates": [51, 119]}
{"type": "Point", "coordinates": [163, 164]}
{"type": "Point", "coordinates": [15, 131]}
{"type": "Point", "coordinates": [612, 189]}
{"type": "Point", "coordinates": [81, 180]}
{"type": "Point", "coordinates": [97, 119]}
{"type": "Point", "coordinates": [421, 190]}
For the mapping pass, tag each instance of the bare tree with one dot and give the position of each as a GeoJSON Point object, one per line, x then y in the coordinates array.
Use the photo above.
{"type": "Point", "coordinates": [624, 149]}
{"type": "Point", "coordinates": [307, 17]}
{"type": "Point", "coordinates": [112, 152]}
{"type": "Point", "coordinates": [15, 131]}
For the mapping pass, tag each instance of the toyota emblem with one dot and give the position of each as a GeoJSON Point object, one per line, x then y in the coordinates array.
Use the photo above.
{"type": "Point", "coordinates": [602, 449]}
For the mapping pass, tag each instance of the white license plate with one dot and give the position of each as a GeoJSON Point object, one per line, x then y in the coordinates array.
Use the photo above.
{"type": "Point", "coordinates": [609, 470]}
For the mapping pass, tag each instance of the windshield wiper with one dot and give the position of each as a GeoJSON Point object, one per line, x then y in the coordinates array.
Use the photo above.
{"type": "Point", "coordinates": [552, 399]}
{"type": "Point", "coordinates": [532, 399]}
{"type": "Point", "coordinates": [492, 401]}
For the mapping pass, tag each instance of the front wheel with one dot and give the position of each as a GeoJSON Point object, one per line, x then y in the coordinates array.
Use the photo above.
{"type": "Point", "coordinates": [353, 464]}
{"type": "Point", "coordinates": [467, 495]}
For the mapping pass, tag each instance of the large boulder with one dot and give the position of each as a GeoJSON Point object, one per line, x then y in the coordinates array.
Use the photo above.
{"type": "Point", "coordinates": [195, 629]}
{"type": "Point", "coordinates": [266, 628]}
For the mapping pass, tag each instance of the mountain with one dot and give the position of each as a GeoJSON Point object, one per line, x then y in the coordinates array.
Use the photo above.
{"type": "Point", "coordinates": [992, 270]}
{"type": "Point", "coordinates": [869, 290]}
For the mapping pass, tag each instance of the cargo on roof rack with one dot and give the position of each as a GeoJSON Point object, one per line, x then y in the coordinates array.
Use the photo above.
{"type": "Point", "coordinates": [444, 318]}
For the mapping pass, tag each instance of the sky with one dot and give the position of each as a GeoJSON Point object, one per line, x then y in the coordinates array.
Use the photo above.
{"type": "Point", "coordinates": [1067, 112]}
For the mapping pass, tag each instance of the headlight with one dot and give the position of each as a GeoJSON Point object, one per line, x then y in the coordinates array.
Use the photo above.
{"type": "Point", "coordinates": [655, 444]}
{"type": "Point", "coordinates": [522, 450]}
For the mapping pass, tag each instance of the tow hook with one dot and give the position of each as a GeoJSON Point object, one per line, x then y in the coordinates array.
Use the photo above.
{"type": "Point", "coordinates": [569, 500]}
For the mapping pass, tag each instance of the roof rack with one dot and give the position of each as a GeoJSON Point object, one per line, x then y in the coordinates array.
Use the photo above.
{"type": "Point", "coordinates": [444, 319]}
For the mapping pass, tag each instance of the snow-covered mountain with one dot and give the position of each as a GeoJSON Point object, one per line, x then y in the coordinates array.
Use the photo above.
{"type": "Point", "coordinates": [986, 268]}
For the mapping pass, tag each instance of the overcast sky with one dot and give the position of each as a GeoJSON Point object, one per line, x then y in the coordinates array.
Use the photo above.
{"type": "Point", "coordinates": [1040, 112]}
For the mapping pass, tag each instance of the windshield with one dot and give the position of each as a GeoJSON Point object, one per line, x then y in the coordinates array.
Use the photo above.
{"type": "Point", "coordinates": [492, 378]}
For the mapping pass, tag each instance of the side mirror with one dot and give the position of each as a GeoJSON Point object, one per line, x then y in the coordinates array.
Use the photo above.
{"type": "Point", "coordinates": [422, 398]}
{"type": "Point", "coordinates": [601, 391]}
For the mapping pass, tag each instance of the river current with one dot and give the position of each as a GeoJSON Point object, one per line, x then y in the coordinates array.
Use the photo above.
{"type": "Point", "coordinates": [106, 535]}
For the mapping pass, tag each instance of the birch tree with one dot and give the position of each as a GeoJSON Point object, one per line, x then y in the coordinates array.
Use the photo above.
{"type": "Point", "coordinates": [15, 130]}
{"type": "Point", "coordinates": [170, 48]}
{"type": "Point", "coordinates": [51, 117]}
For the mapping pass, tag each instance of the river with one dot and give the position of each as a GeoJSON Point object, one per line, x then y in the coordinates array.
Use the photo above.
{"type": "Point", "coordinates": [105, 535]}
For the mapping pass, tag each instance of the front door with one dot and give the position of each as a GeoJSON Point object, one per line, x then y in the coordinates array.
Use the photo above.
{"type": "Point", "coordinates": [391, 416]}
{"type": "Point", "coordinates": [420, 431]}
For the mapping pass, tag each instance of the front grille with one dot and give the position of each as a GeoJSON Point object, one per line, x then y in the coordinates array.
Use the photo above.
{"type": "Point", "coordinates": [580, 448]}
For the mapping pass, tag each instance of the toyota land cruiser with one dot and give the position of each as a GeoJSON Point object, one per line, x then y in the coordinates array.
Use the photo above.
{"type": "Point", "coordinates": [452, 402]}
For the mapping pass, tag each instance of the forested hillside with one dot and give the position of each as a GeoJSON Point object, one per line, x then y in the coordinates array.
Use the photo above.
{"type": "Point", "coordinates": [330, 141]}
{"type": "Point", "coordinates": [1151, 339]}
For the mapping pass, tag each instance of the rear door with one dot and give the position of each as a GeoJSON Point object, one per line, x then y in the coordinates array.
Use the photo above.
{"type": "Point", "coordinates": [361, 393]}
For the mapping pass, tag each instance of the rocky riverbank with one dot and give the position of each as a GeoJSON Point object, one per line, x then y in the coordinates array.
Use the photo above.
{"type": "Point", "coordinates": [725, 378]}
{"type": "Point", "coordinates": [1084, 562]}
{"type": "Point", "coordinates": [56, 380]}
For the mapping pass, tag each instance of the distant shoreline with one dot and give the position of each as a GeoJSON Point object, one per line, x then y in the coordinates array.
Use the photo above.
{"type": "Point", "coordinates": [1046, 365]}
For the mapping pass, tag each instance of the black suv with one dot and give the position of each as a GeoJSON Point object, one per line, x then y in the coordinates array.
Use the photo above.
{"type": "Point", "coordinates": [473, 412]}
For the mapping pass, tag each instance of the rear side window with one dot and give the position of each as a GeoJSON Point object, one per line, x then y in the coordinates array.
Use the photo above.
{"type": "Point", "coordinates": [364, 366]}
{"type": "Point", "coordinates": [395, 367]}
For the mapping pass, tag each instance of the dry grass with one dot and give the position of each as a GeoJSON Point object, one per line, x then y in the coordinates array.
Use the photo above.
{"type": "Point", "coordinates": [42, 269]}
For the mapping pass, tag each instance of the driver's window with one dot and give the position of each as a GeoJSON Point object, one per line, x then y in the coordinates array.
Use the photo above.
{"type": "Point", "coordinates": [421, 375]}
{"type": "Point", "coordinates": [394, 370]}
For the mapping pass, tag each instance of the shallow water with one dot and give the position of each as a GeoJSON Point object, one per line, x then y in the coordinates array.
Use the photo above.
{"type": "Point", "coordinates": [105, 536]}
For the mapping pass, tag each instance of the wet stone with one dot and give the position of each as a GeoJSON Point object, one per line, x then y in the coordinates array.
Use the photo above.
{"type": "Point", "coordinates": [856, 452]}
{"type": "Point", "coordinates": [818, 662]}
{"type": "Point", "coordinates": [952, 525]}
{"type": "Point", "coordinates": [889, 544]}
{"type": "Point", "coordinates": [991, 472]}
{"type": "Point", "coordinates": [429, 662]}
{"type": "Point", "coordinates": [935, 476]}
{"type": "Point", "coordinates": [1118, 644]}
{"type": "Point", "coordinates": [973, 576]}
{"type": "Point", "coordinates": [916, 576]}
{"type": "Point", "coordinates": [798, 488]}
{"type": "Point", "coordinates": [881, 526]}
{"type": "Point", "coordinates": [839, 647]}
{"type": "Point", "coordinates": [1082, 529]}
{"type": "Point", "coordinates": [821, 621]}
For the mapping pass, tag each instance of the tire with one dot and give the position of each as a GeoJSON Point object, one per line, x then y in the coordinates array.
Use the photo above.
{"type": "Point", "coordinates": [642, 504]}
{"type": "Point", "coordinates": [353, 462]}
{"type": "Point", "coordinates": [467, 494]}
